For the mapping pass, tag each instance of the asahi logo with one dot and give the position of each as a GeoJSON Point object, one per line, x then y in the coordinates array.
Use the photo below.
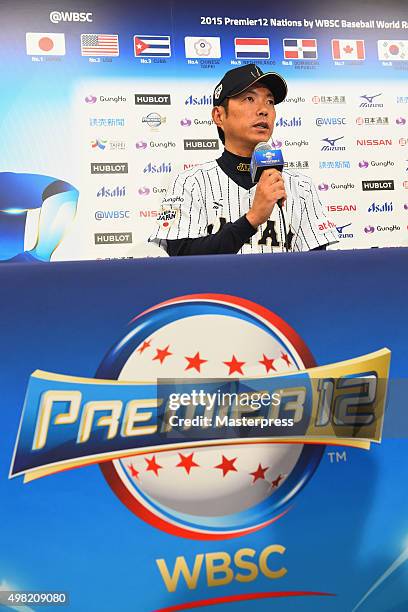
{"type": "Point", "coordinates": [293, 122]}
{"type": "Point", "coordinates": [381, 208]}
{"type": "Point", "coordinates": [377, 185]}
{"type": "Point", "coordinates": [109, 168]}
{"type": "Point", "coordinates": [202, 101]}
{"type": "Point", "coordinates": [163, 168]}
{"type": "Point", "coordinates": [156, 99]}
{"type": "Point", "coordinates": [201, 144]}
{"type": "Point", "coordinates": [116, 192]}
{"type": "Point", "coordinates": [114, 238]}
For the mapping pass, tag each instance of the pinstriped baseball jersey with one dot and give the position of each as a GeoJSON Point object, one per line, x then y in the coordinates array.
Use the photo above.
{"type": "Point", "coordinates": [200, 200]}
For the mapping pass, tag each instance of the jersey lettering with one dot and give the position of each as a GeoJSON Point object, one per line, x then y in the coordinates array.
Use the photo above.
{"type": "Point", "coordinates": [269, 234]}
{"type": "Point", "coordinates": [213, 228]}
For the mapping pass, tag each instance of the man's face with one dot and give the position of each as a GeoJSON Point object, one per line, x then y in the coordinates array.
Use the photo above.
{"type": "Point", "coordinates": [249, 119]}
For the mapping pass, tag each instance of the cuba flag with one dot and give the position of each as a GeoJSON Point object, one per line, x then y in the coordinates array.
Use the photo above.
{"type": "Point", "coordinates": [151, 45]}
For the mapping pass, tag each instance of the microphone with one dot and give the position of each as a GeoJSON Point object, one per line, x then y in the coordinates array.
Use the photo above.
{"type": "Point", "coordinates": [265, 157]}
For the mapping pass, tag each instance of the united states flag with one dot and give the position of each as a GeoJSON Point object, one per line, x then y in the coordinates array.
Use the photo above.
{"type": "Point", "coordinates": [100, 44]}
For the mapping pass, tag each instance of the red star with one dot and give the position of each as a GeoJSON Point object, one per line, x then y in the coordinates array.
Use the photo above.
{"type": "Point", "coordinates": [227, 465]}
{"type": "Point", "coordinates": [187, 462]}
{"type": "Point", "coordinates": [153, 466]}
{"type": "Point", "coordinates": [144, 346]}
{"type": "Point", "coordinates": [285, 358]}
{"type": "Point", "coordinates": [162, 354]}
{"type": "Point", "coordinates": [268, 363]}
{"type": "Point", "coordinates": [259, 473]}
{"type": "Point", "coordinates": [195, 362]}
{"type": "Point", "coordinates": [275, 483]}
{"type": "Point", "coordinates": [133, 472]}
{"type": "Point", "coordinates": [140, 46]}
{"type": "Point", "coordinates": [234, 365]}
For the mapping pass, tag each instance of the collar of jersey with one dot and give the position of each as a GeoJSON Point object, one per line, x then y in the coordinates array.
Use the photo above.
{"type": "Point", "coordinates": [231, 164]}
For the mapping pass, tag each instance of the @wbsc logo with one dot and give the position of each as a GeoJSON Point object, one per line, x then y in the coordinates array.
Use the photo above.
{"type": "Point", "coordinates": [194, 485]}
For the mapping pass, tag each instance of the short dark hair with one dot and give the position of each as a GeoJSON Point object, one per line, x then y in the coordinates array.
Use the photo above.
{"type": "Point", "coordinates": [224, 105]}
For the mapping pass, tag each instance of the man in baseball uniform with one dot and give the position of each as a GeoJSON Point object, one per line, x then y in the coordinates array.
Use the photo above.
{"type": "Point", "coordinates": [216, 208]}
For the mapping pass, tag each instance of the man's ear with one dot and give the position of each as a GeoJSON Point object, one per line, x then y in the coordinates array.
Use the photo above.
{"type": "Point", "coordinates": [217, 114]}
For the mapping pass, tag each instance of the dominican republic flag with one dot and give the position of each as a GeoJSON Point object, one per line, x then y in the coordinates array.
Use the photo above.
{"type": "Point", "coordinates": [345, 49]}
{"type": "Point", "coordinates": [252, 48]}
{"type": "Point", "coordinates": [300, 48]}
{"type": "Point", "coordinates": [151, 46]}
{"type": "Point", "coordinates": [394, 50]}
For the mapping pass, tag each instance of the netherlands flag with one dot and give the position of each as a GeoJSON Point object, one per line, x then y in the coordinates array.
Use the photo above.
{"type": "Point", "coordinates": [151, 46]}
{"type": "Point", "coordinates": [252, 48]}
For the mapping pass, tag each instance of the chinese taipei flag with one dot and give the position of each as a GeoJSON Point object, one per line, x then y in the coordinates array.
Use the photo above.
{"type": "Point", "coordinates": [346, 49]}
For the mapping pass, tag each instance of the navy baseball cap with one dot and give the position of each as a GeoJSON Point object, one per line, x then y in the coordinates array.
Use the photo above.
{"type": "Point", "coordinates": [239, 79]}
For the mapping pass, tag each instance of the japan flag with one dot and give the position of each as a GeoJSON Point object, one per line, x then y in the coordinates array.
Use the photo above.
{"type": "Point", "coordinates": [39, 43]}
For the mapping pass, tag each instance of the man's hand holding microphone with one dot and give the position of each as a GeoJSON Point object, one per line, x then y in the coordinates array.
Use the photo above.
{"type": "Point", "coordinates": [266, 168]}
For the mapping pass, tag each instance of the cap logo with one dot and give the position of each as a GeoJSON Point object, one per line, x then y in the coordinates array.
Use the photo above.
{"type": "Point", "coordinates": [218, 91]}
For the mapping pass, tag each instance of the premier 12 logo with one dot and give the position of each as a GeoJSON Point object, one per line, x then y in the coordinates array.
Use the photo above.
{"type": "Point", "coordinates": [69, 422]}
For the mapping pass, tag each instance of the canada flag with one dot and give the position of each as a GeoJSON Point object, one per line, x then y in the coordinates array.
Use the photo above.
{"type": "Point", "coordinates": [348, 49]}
